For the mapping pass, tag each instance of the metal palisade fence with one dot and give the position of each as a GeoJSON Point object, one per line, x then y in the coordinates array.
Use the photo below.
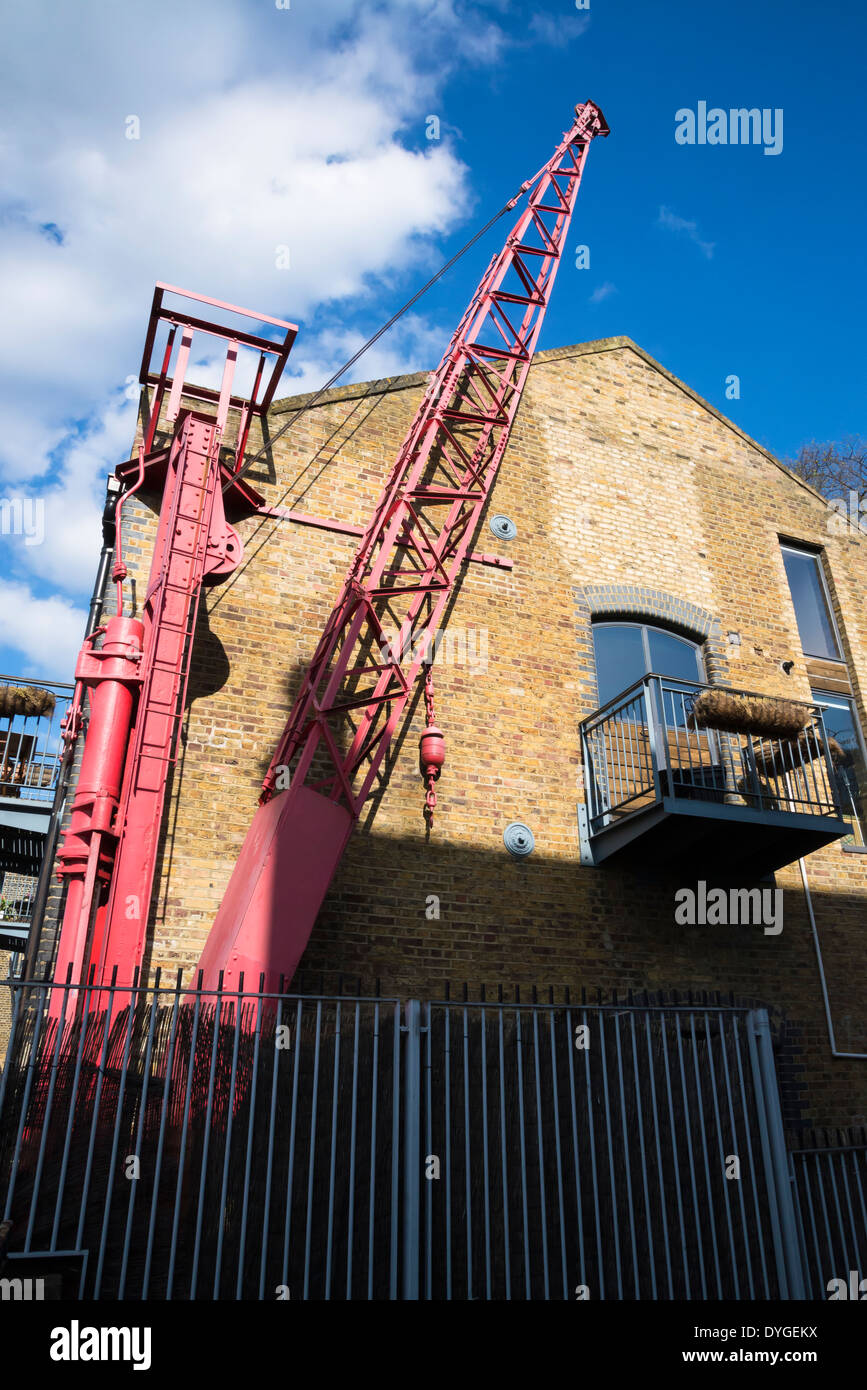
{"type": "Point", "coordinates": [187, 1144]}
{"type": "Point", "coordinates": [830, 1183]}
{"type": "Point", "coordinates": [619, 1152]}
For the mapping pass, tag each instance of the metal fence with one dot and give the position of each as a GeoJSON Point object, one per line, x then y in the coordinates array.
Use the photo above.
{"type": "Point", "coordinates": [830, 1186]}
{"type": "Point", "coordinates": [205, 1145]}
{"type": "Point", "coordinates": [646, 745]}
{"type": "Point", "coordinates": [17, 892]}
{"type": "Point", "coordinates": [219, 1147]}
{"type": "Point", "coordinates": [592, 1152]}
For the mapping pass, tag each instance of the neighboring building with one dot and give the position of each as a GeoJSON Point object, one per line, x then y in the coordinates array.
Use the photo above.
{"type": "Point", "coordinates": [651, 534]}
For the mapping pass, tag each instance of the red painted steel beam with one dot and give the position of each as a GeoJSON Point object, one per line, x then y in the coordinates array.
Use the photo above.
{"type": "Point", "coordinates": [137, 679]}
{"type": "Point", "coordinates": [346, 528]}
{"type": "Point", "coordinates": [276, 352]}
{"type": "Point", "coordinates": [404, 575]}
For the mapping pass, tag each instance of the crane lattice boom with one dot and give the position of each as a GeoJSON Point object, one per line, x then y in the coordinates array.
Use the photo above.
{"type": "Point", "coordinates": [404, 574]}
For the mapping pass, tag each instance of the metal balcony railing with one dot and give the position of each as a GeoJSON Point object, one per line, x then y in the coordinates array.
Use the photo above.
{"type": "Point", "coordinates": [645, 747]}
{"type": "Point", "coordinates": [30, 743]}
{"type": "Point", "coordinates": [16, 900]}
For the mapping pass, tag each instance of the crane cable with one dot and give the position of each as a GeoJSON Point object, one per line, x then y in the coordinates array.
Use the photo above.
{"type": "Point", "coordinates": [302, 410]}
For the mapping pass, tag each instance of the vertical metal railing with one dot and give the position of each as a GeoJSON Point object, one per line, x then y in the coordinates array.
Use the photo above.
{"type": "Point", "coordinates": [620, 757]}
{"type": "Point", "coordinates": [647, 744]}
{"type": "Point", "coordinates": [30, 743]}
{"type": "Point", "coordinates": [213, 1145]}
{"type": "Point", "coordinates": [222, 1145]}
{"type": "Point", "coordinates": [17, 894]}
{"type": "Point", "coordinates": [602, 1151]}
{"type": "Point", "coordinates": [830, 1186]}
{"type": "Point", "coordinates": [31, 716]}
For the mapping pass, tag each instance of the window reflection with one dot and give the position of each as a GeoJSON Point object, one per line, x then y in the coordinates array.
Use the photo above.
{"type": "Point", "coordinates": [841, 724]}
{"type": "Point", "coordinates": [625, 652]}
{"type": "Point", "coordinates": [815, 625]}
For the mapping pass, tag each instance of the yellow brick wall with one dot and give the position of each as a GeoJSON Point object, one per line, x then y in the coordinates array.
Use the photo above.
{"type": "Point", "coordinates": [616, 474]}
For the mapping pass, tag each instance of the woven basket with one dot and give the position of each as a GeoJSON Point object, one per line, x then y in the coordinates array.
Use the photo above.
{"type": "Point", "coordinates": [749, 714]}
{"type": "Point", "coordinates": [26, 700]}
{"type": "Point", "coordinates": [774, 760]}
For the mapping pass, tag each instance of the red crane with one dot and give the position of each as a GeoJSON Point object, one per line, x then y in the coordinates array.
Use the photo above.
{"type": "Point", "coordinates": [404, 573]}
{"type": "Point", "coordinates": [354, 693]}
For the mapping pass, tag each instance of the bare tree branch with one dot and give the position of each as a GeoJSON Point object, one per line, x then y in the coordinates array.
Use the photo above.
{"type": "Point", "coordinates": [834, 469]}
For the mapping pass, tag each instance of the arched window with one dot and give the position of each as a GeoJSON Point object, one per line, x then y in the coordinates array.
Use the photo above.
{"type": "Point", "coordinates": [627, 651]}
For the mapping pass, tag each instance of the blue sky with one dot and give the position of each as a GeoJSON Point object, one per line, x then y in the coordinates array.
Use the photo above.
{"type": "Point", "coordinates": [307, 127]}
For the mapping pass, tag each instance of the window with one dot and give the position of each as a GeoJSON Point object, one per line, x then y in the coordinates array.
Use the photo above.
{"type": "Point", "coordinates": [627, 651]}
{"type": "Point", "coordinates": [812, 609]}
{"type": "Point", "coordinates": [841, 724]}
{"type": "Point", "coordinates": [820, 641]}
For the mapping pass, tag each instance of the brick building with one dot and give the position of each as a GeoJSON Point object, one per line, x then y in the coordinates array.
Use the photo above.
{"type": "Point", "coordinates": [638, 509]}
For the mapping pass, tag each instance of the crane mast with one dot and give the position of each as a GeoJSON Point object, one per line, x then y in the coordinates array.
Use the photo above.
{"type": "Point", "coordinates": [355, 691]}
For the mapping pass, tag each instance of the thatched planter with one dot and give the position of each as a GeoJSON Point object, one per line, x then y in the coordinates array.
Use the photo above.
{"type": "Point", "coordinates": [26, 700]}
{"type": "Point", "coordinates": [765, 715]}
{"type": "Point", "coordinates": [772, 760]}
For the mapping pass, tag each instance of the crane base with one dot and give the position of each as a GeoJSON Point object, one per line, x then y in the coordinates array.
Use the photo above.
{"type": "Point", "coordinates": [276, 890]}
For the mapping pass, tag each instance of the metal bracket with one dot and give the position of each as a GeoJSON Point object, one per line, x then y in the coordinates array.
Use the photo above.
{"type": "Point", "coordinates": [587, 859]}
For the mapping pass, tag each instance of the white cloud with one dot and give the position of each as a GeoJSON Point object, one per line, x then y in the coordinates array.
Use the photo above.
{"type": "Point", "coordinates": [270, 137]}
{"type": "Point", "coordinates": [602, 292]}
{"type": "Point", "coordinates": [259, 128]}
{"type": "Point", "coordinates": [73, 504]}
{"type": "Point", "coordinates": [47, 631]}
{"type": "Point", "coordinates": [673, 223]}
{"type": "Point", "coordinates": [75, 312]}
{"type": "Point", "coordinates": [412, 346]}
{"type": "Point", "coordinates": [558, 28]}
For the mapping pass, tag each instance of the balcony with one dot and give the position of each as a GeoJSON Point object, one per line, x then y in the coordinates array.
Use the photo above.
{"type": "Point", "coordinates": [664, 788]}
{"type": "Point", "coordinates": [31, 713]}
